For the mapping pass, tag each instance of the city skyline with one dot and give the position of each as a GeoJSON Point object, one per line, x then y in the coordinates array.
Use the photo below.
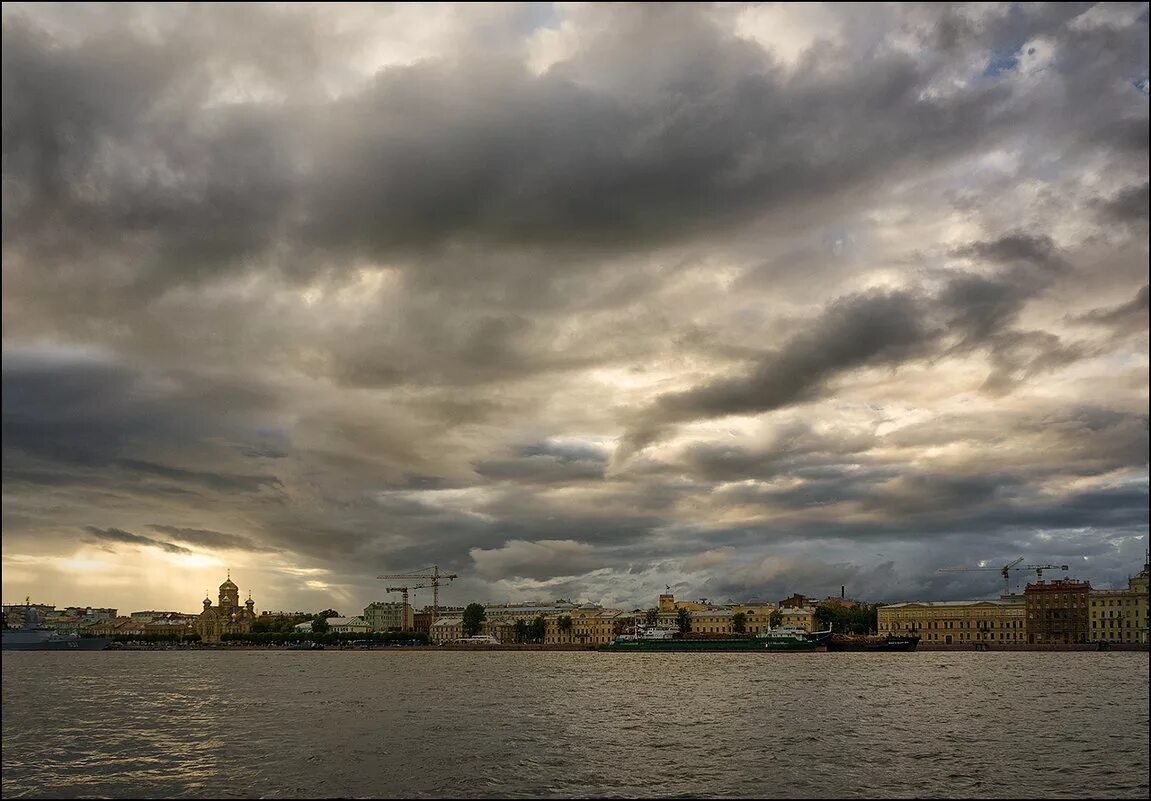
{"type": "Point", "coordinates": [572, 300]}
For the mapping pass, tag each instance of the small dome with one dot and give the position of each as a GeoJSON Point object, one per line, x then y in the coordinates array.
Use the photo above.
{"type": "Point", "coordinates": [207, 602]}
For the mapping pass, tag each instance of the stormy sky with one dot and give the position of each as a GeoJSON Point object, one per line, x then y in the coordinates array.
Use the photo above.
{"type": "Point", "coordinates": [572, 300]}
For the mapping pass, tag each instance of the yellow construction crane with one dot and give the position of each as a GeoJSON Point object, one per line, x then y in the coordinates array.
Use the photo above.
{"type": "Point", "coordinates": [433, 576]}
{"type": "Point", "coordinates": [1005, 571]}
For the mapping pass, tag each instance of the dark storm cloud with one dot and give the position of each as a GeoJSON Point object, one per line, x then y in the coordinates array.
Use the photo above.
{"type": "Point", "coordinates": [206, 538]}
{"type": "Point", "coordinates": [1126, 317]}
{"type": "Point", "coordinates": [1130, 205]}
{"type": "Point", "coordinates": [66, 417]}
{"type": "Point", "coordinates": [546, 463]}
{"type": "Point", "coordinates": [434, 153]}
{"type": "Point", "coordinates": [364, 317]}
{"type": "Point", "coordinates": [127, 537]}
{"type": "Point", "coordinates": [890, 328]}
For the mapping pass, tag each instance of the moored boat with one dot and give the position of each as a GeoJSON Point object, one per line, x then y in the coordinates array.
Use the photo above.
{"type": "Point", "coordinates": [779, 639]}
{"type": "Point", "coordinates": [794, 638]}
{"type": "Point", "coordinates": [33, 637]}
{"type": "Point", "coordinates": [864, 642]}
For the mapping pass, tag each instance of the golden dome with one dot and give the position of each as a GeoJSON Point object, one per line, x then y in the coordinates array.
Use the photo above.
{"type": "Point", "coordinates": [228, 584]}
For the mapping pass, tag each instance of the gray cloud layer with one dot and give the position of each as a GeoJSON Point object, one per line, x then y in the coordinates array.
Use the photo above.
{"type": "Point", "coordinates": [605, 298]}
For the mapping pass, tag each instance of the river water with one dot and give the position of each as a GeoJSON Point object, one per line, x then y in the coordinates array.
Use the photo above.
{"type": "Point", "coordinates": [270, 724]}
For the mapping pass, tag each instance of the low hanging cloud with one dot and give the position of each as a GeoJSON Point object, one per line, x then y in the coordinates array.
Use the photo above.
{"type": "Point", "coordinates": [213, 540]}
{"type": "Point", "coordinates": [538, 559]}
{"type": "Point", "coordinates": [116, 535]}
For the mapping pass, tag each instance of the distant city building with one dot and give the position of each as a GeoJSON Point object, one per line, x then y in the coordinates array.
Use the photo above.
{"type": "Point", "coordinates": [1120, 615]}
{"type": "Point", "coordinates": [446, 629]}
{"type": "Point", "coordinates": [171, 624]}
{"type": "Point", "coordinates": [958, 622]}
{"type": "Point", "coordinates": [90, 612]}
{"type": "Point", "coordinates": [278, 615]}
{"type": "Point", "coordinates": [800, 617]}
{"type": "Point", "coordinates": [226, 617]}
{"type": "Point", "coordinates": [528, 611]}
{"type": "Point", "coordinates": [349, 625]}
{"type": "Point", "coordinates": [388, 616]}
{"type": "Point", "coordinates": [1057, 611]}
{"type": "Point", "coordinates": [795, 601]}
{"type": "Point", "coordinates": [422, 620]}
{"type": "Point", "coordinates": [14, 613]}
{"type": "Point", "coordinates": [117, 627]}
{"type": "Point", "coordinates": [151, 615]}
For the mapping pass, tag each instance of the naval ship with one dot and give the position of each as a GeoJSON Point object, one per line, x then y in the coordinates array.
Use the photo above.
{"type": "Point", "coordinates": [34, 637]}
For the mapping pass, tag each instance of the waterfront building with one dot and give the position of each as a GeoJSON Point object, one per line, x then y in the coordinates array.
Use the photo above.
{"type": "Point", "coordinates": [445, 629]}
{"type": "Point", "coordinates": [802, 617]}
{"type": "Point", "coordinates": [171, 624]}
{"type": "Point", "coordinates": [958, 622]}
{"type": "Point", "coordinates": [1120, 615]}
{"type": "Point", "coordinates": [226, 617]}
{"type": "Point", "coordinates": [117, 627]}
{"type": "Point", "coordinates": [349, 625]}
{"type": "Point", "coordinates": [1057, 611]}
{"type": "Point", "coordinates": [388, 616]}
{"type": "Point", "coordinates": [714, 619]}
{"type": "Point", "coordinates": [422, 620]}
{"type": "Point", "coordinates": [590, 624]}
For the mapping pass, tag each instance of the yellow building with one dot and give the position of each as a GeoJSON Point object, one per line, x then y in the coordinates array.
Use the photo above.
{"type": "Point", "coordinates": [227, 617]}
{"type": "Point", "coordinates": [712, 619]}
{"type": "Point", "coordinates": [801, 617]}
{"type": "Point", "coordinates": [590, 625]}
{"type": "Point", "coordinates": [1119, 615]}
{"type": "Point", "coordinates": [958, 622]}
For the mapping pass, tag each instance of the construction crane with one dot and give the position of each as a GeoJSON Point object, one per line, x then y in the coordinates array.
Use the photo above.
{"type": "Point", "coordinates": [433, 576]}
{"type": "Point", "coordinates": [1005, 571]}
{"type": "Point", "coordinates": [405, 590]}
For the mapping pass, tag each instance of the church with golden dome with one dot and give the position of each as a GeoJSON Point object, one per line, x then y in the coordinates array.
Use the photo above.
{"type": "Point", "coordinates": [226, 617]}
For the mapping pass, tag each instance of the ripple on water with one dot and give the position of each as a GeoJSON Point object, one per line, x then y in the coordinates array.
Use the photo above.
{"type": "Point", "coordinates": [426, 725]}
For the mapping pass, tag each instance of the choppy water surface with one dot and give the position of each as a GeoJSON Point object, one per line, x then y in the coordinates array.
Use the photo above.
{"type": "Point", "coordinates": [393, 724]}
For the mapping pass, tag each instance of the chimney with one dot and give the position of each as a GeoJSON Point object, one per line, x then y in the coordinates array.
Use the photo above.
{"type": "Point", "coordinates": [842, 591]}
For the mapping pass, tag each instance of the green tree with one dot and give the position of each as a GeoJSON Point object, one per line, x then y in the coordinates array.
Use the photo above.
{"type": "Point", "coordinates": [683, 620]}
{"type": "Point", "coordinates": [775, 618]}
{"type": "Point", "coordinates": [259, 627]}
{"type": "Point", "coordinates": [538, 629]}
{"type": "Point", "coordinates": [521, 631]}
{"type": "Point", "coordinates": [331, 613]}
{"type": "Point", "coordinates": [565, 624]}
{"type": "Point", "coordinates": [651, 616]}
{"type": "Point", "coordinates": [474, 615]}
{"type": "Point", "coordinates": [320, 624]}
{"type": "Point", "coordinates": [739, 622]}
